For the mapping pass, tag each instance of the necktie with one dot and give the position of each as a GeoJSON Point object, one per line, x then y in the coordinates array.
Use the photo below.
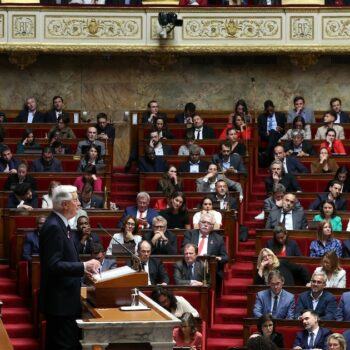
{"type": "Point", "coordinates": [311, 342]}
{"type": "Point", "coordinates": [274, 307]}
{"type": "Point", "coordinates": [201, 244]}
{"type": "Point", "coordinates": [190, 272]}
{"type": "Point", "coordinates": [143, 266]}
{"type": "Point", "coordinates": [198, 134]}
{"type": "Point", "coordinates": [283, 221]}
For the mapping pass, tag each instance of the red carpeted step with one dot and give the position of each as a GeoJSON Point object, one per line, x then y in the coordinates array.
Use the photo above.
{"type": "Point", "coordinates": [238, 300]}
{"type": "Point", "coordinates": [237, 285]}
{"type": "Point", "coordinates": [220, 330]}
{"type": "Point", "coordinates": [230, 315]}
{"type": "Point", "coordinates": [20, 330]}
{"type": "Point", "coordinates": [223, 343]}
{"type": "Point", "coordinates": [4, 271]}
{"type": "Point", "coordinates": [25, 344]}
{"type": "Point", "coordinates": [247, 246]}
{"type": "Point", "coordinates": [8, 286]}
{"type": "Point", "coordinates": [241, 269]}
{"type": "Point", "coordinates": [14, 314]}
{"type": "Point", "coordinates": [11, 300]}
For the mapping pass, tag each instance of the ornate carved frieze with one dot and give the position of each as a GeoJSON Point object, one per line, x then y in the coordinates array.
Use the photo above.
{"type": "Point", "coordinates": [2, 25]}
{"type": "Point", "coordinates": [337, 27]}
{"type": "Point", "coordinates": [301, 28]}
{"type": "Point", "coordinates": [93, 27]}
{"type": "Point", "coordinates": [230, 28]}
{"type": "Point", "coordinates": [23, 26]}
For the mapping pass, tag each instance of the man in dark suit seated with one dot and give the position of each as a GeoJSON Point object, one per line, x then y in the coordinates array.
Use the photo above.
{"type": "Point", "coordinates": [99, 253]}
{"type": "Point", "coordinates": [22, 197]}
{"type": "Point", "coordinates": [194, 164]}
{"type": "Point", "coordinates": [84, 238]}
{"type": "Point", "coordinates": [8, 164]}
{"type": "Point", "coordinates": [88, 199]}
{"type": "Point", "coordinates": [31, 242]}
{"type": "Point", "coordinates": [160, 149]}
{"type": "Point", "coordinates": [153, 266]}
{"type": "Point", "coordinates": [335, 103]}
{"type": "Point", "coordinates": [221, 198]}
{"type": "Point", "coordinates": [313, 336]}
{"type": "Point", "coordinates": [298, 146]}
{"type": "Point", "coordinates": [152, 113]}
{"type": "Point", "coordinates": [189, 271]}
{"type": "Point", "coordinates": [334, 195]}
{"type": "Point", "coordinates": [150, 163]}
{"type": "Point", "coordinates": [326, 306]}
{"type": "Point", "coordinates": [343, 310]}
{"type": "Point", "coordinates": [288, 216]}
{"type": "Point", "coordinates": [105, 131]}
{"type": "Point", "coordinates": [186, 117]}
{"type": "Point", "coordinates": [200, 130]}
{"type": "Point", "coordinates": [46, 163]}
{"type": "Point", "coordinates": [290, 164]}
{"type": "Point", "coordinates": [226, 160]}
{"type": "Point", "coordinates": [57, 110]}
{"type": "Point", "coordinates": [30, 114]}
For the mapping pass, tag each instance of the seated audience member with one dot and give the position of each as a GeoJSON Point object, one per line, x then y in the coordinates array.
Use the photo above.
{"type": "Point", "coordinates": [325, 241]}
{"type": "Point", "coordinates": [99, 253]}
{"type": "Point", "coordinates": [92, 157]}
{"type": "Point", "coordinates": [343, 176]}
{"type": "Point", "coordinates": [170, 181]}
{"type": "Point", "coordinates": [343, 310]}
{"type": "Point", "coordinates": [336, 276]}
{"type": "Point", "coordinates": [288, 215]}
{"type": "Point", "coordinates": [333, 145]}
{"type": "Point", "coordinates": [336, 341]}
{"type": "Point", "coordinates": [325, 164]}
{"type": "Point", "coordinates": [313, 336]}
{"type": "Point", "coordinates": [257, 341]}
{"type": "Point", "coordinates": [266, 328]}
{"type": "Point", "coordinates": [151, 163]}
{"type": "Point", "coordinates": [177, 214]}
{"type": "Point", "coordinates": [8, 164]}
{"type": "Point", "coordinates": [200, 130]}
{"type": "Point", "coordinates": [89, 176]}
{"type": "Point", "coordinates": [91, 140]}
{"type": "Point", "coordinates": [206, 206]}
{"type": "Point", "coordinates": [105, 130]}
{"type": "Point", "coordinates": [290, 164]}
{"type": "Point", "coordinates": [226, 160]}
{"type": "Point", "coordinates": [268, 261]}
{"type": "Point", "coordinates": [162, 128]}
{"type": "Point", "coordinates": [190, 271]}
{"type": "Point", "coordinates": [31, 241]}
{"type": "Point", "coordinates": [335, 104]}
{"type": "Point", "coordinates": [127, 236]}
{"type": "Point", "coordinates": [275, 300]}
{"type": "Point", "coordinates": [175, 304]}
{"type": "Point", "coordinates": [62, 129]}
{"type": "Point", "coordinates": [74, 220]}
{"type": "Point", "coordinates": [241, 108]}
{"type": "Point", "coordinates": [186, 116]}
{"type": "Point", "coordinates": [21, 176]}
{"type": "Point", "coordinates": [328, 213]}
{"type": "Point", "coordinates": [334, 195]}
{"type": "Point", "coordinates": [30, 114]}
{"type": "Point", "coordinates": [221, 198]}
{"type": "Point", "coordinates": [57, 110]}
{"type": "Point", "coordinates": [300, 109]}
{"type": "Point", "coordinates": [329, 123]}
{"type": "Point", "coordinates": [57, 146]}
{"type": "Point", "coordinates": [298, 146]}
{"type": "Point", "coordinates": [208, 182]}
{"type": "Point", "coordinates": [22, 197]}
{"type": "Point", "coordinates": [153, 266]}
{"type": "Point", "coordinates": [27, 143]}
{"type": "Point", "coordinates": [184, 150]}
{"type": "Point", "coordinates": [163, 241]}
{"type": "Point", "coordinates": [46, 202]}
{"type": "Point", "coordinates": [271, 126]}
{"type": "Point", "coordinates": [326, 307]}
{"type": "Point", "coordinates": [278, 176]}
{"type": "Point", "coordinates": [84, 238]}
{"type": "Point", "coordinates": [88, 199]}
{"type": "Point", "coordinates": [236, 146]}
{"type": "Point", "coordinates": [141, 211]}
{"type": "Point", "coordinates": [187, 335]}
{"type": "Point", "coordinates": [281, 245]}
{"type": "Point", "coordinates": [237, 123]}
{"type": "Point", "coordinates": [298, 125]}
{"type": "Point", "coordinates": [46, 163]}
{"type": "Point", "coordinates": [159, 148]}
{"type": "Point", "coordinates": [152, 112]}
{"type": "Point", "coordinates": [194, 164]}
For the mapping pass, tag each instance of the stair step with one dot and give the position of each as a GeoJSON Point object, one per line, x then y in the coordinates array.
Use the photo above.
{"type": "Point", "coordinates": [232, 301]}
{"type": "Point", "coordinates": [223, 343]}
{"type": "Point", "coordinates": [220, 330]}
{"type": "Point", "coordinates": [20, 330]}
{"type": "Point", "coordinates": [25, 344]}
{"type": "Point", "coordinates": [12, 300]}
{"type": "Point", "coordinates": [4, 270]}
{"type": "Point", "coordinates": [229, 315]}
{"type": "Point", "coordinates": [8, 286]}
{"type": "Point", "coordinates": [13, 314]}
{"type": "Point", "coordinates": [237, 285]}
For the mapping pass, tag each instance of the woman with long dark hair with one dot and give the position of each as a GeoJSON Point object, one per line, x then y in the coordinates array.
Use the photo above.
{"type": "Point", "coordinates": [89, 176]}
{"type": "Point", "coordinates": [281, 245]}
{"type": "Point", "coordinates": [170, 181]}
{"type": "Point", "coordinates": [27, 142]}
{"type": "Point", "coordinates": [328, 213]}
{"type": "Point", "coordinates": [266, 327]}
{"type": "Point", "coordinates": [92, 157]}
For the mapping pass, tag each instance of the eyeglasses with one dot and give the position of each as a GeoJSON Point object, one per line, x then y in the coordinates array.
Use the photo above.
{"type": "Point", "coordinates": [270, 325]}
{"type": "Point", "coordinates": [206, 223]}
{"type": "Point", "coordinates": [130, 224]}
{"type": "Point", "coordinates": [158, 226]}
{"type": "Point", "coordinates": [316, 282]}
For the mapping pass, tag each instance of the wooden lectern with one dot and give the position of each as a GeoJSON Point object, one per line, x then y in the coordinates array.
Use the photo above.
{"type": "Point", "coordinates": [113, 287]}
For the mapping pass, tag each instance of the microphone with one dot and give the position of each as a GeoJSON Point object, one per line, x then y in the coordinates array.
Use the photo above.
{"type": "Point", "coordinates": [135, 258]}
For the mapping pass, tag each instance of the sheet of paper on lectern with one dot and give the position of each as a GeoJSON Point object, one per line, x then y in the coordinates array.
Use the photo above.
{"type": "Point", "coordinates": [114, 273]}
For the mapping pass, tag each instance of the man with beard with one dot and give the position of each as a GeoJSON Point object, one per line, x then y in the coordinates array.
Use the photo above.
{"type": "Point", "coordinates": [47, 162]}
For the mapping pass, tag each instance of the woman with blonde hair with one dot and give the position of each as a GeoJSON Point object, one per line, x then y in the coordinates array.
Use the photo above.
{"type": "Point", "coordinates": [336, 341]}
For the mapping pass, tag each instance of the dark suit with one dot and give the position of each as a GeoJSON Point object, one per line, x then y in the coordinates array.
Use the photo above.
{"type": "Point", "coordinates": [23, 117]}
{"type": "Point", "coordinates": [181, 272]}
{"type": "Point", "coordinates": [13, 164]}
{"type": "Point", "coordinates": [146, 115]}
{"type": "Point", "coordinates": [157, 273]}
{"type": "Point", "coordinates": [13, 201]}
{"type": "Point", "coordinates": [344, 117]}
{"type": "Point", "coordinates": [298, 217]}
{"type": "Point", "coordinates": [151, 213]}
{"type": "Point", "coordinates": [180, 118]}
{"type": "Point", "coordinates": [170, 248]}
{"type": "Point", "coordinates": [346, 248]}
{"type": "Point", "coordinates": [319, 343]}
{"type": "Point", "coordinates": [167, 150]}
{"type": "Point", "coordinates": [294, 166]}
{"type": "Point", "coordinates": [96, 202]}
{"type": "Point", "coordinates": [306, 147]}
{"type": "Point", "coordinates": [326, 307]}
{"type": "Point", "coordinates": [109, 130]}
{"type": "Point", "coordinates": [50, 116]}
{"type": "Point", "coordinates": [61, 273]}
{"type": "Point", "coordinates": [38, 166]}
{"type": "Point", "coordinates": [207, 132]}
{"type": "Point", "coordinates": [340, 203]}
{"type": "Point", "coordinates": [292, 248]}
{"type": "Point", "coordinates": [12, 181]}
{"type": "Point", "coordinates": [159, 165]}
{"type": "Point", "coordinates": [235, 161]}
{"type": "Point", "coordinates": [287, 180]}
{"type": "Point", "coordinates": [230, 202]}
{"type": "Point", "coordinates": [30, 245]}
{"type": "Point", "coordinates": [343, 310]}
{"type": "Point", "coordinates": [85, 248]}
{"type": "Point", "coordinates": [185, 166]}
